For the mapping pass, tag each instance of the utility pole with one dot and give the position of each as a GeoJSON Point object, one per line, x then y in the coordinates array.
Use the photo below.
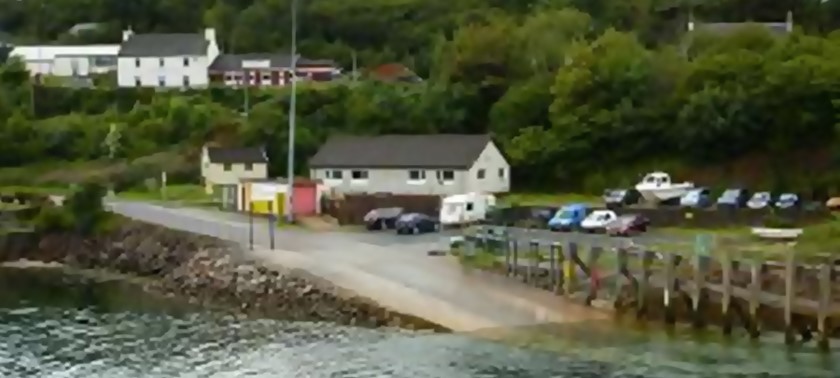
{"type": "Point", "coordinates": [355, 73]}
{"type": "Point", "coordinates": [247, 106]}
{"type": "Point", "coordinates": [290, 173]}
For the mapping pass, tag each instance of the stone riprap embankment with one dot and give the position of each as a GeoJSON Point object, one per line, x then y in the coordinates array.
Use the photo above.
{"type": "Point", "coordinates": [206, 270]}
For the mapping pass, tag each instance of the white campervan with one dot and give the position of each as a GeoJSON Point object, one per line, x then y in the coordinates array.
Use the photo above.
{"type": "Point", "coordinates": [467, 208]}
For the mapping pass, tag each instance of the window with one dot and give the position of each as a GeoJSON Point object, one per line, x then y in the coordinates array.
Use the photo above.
{"type": "Point", "coordinates": [501, 173]}
{"type": "Point", "coordinates": [446, 176]}
{"type": "Point", "coordinates": [136, 62]}
{"type": "Point", "coordinates": [160, 62]}
{"type": "Point", "coordinates": [161, 81]}
{"type": "Point", "coordinates": [335, 174]}
{"type": "Point", "coordinates": [227, 166]}
{"type": "Point", "coordinates": [480, 174]}
{"type": "Point", "coordinates": [359, 175]}
{"type": "Point", "coordinates": [249, 166]}
{"type": "Point", "coordinates": [416, 176]}
{"type": "Point", "coordinates": [137, 82]}
{"type": "Point", "coordinates": [469, 206]}
{"type": "Point", "coordinates": [186, 62]}
{"type": "Point", "coordinates": [186, 81]}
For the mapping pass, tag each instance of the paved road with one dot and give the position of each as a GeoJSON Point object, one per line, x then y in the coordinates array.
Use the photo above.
{"type": "Point", "coordinates": [393, 270]}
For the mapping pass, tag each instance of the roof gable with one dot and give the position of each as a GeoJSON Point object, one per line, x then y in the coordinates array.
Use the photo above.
{"type": "Point", "coordinates": [220, 155]}
{"type": "Point", "coordinates": [456, 151]}
{"type": "Point", "coordinates": [156, 45]}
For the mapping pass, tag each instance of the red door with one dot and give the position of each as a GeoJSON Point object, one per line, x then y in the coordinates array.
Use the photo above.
{"type": "Point", "coordinates": [305, 199]}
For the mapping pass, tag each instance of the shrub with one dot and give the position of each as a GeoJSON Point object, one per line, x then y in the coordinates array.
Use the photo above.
{"type": "Point", "coordinates": [53, 219]}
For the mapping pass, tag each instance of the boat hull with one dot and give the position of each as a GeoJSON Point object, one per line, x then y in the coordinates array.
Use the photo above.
{"type": "Point", "coordinates": [657, 195]}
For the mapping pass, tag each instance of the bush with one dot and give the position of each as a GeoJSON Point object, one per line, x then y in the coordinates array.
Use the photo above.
{"type": "Point", "coordinates": [53, 219]}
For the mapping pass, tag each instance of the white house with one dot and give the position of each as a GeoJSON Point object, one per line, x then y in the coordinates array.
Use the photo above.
{"type": "Point", "coordinates": [68, 61]}
{"type": "Point", "coordinates": [166, 60]}
{"type": "Point", "coordinates": [441, 164]}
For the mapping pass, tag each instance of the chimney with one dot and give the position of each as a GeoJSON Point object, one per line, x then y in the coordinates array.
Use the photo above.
{"type": "Point", "coordinates": [210, 35]}
{"type": "Point", "coordinates": [127, 34]}
{"type": "Point", "coordinates": [789, 22]}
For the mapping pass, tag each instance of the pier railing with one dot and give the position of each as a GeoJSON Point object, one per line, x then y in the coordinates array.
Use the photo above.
{"type": "Point", "coordinates": [673, 281]}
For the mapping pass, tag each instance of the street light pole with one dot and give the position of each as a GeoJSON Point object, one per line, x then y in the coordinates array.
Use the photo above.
{"type": "Point", "coordinates": [290, 175]}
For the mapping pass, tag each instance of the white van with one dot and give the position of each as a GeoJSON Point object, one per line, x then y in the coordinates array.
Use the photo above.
{"type": "Point", "coordinates": [460, 209]}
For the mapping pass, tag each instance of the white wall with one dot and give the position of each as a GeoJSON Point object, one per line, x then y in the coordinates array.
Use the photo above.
{"type": "Point", "coordinates": [173, 71]}
{"type": "Point", "coordinates": [85, 65]}
{"type": "Point", "coordinates": [491, 161]}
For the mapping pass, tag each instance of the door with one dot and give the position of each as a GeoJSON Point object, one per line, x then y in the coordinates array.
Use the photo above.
{"type": "Point", "coordinates": [305, 200]}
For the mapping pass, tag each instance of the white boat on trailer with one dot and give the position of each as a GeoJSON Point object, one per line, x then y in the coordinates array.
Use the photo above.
{"type": "Point", "coordinates": [657, 187]}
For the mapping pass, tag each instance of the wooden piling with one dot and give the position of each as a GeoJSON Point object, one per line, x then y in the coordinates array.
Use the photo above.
{"type": "Point", "coordinates": [699, 290]}
{"type": "Point", "coordinates": [515, 260]}
{"type": "Point", "coordinates": [569, 271]}
{"type": "Point", "coordinates": [623, 270]}
{"type": "Point", "coordinates": [554, 253]}
{"type": "Point", "coordinates": [533, 259]}
{"type": "Point", "coordinates": [757, 270]}
{"type": "Point", "coordinates": [669, 291]}
{"type": "Point", "coordinates": [594, 275]}
{"type": "Point", "coordinates": [644, 283]}
{"type": "Point", "coordinates": [726, 294]}
{"type": "Point", "coordinates": [790, 292]}
{"type": "Point", "coordinates": [826, 273]}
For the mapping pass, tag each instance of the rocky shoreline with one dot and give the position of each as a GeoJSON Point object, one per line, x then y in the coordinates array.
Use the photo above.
{"type": "Point", "coordinates": [207, 271]}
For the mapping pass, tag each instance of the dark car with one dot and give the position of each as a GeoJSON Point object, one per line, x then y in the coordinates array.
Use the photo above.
{"type": "Point", "coordinates": [383, 218]}
{"type": "Point", "coordinates": [614, 198]}
{"type": "Point", "coordinates": [735, 198]}
{"type": "Point", "coordinates": [628, 225]}
{"type": "Point", "coordinates": [416, 223]}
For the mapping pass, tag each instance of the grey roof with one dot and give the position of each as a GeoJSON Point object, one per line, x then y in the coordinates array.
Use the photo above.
{"type": "Point", "coordinates": [456, 151]}
{"type": "Point", "coordinates": [236, 155]}
{"type": "Point", "coordinates": [139, 45]}
{"type": "Point", "coordinates": [233, 62]}
{"type": "Point", "coordinates": [730, 27]}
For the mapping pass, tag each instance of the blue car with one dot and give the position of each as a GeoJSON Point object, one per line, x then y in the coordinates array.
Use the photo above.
{"type": "Point", "coordinates": [568, 217]}
{"type": "Point", "coordinates": [787, 201]}
{"type": "Point", "coordinates": [697, 198]}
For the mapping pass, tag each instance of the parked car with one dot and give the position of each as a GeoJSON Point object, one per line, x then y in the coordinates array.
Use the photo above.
{"type": "Point", "coordinates": [788, 200]}
{"type": "Point", "coordinates": [628, 225]}
{"type": "Point", "coordinates": [697, 198]}
{"type": "Point", "coordinates": [598, 220]}
{"type": "Point", "coordinates": [416, 223]}
{"type": "Point", "coordinates": [537, 217]}
{"type": "Point", "coordinates": [614, 198]}
{"type": "Point", "coordinates": [760, 200]}
{"type": "Point", "coordinates": [568, 217]}
{"type": "Point", "coordinates": [733, 198]}
{"type": "Point", "coordinates": [382, 218]}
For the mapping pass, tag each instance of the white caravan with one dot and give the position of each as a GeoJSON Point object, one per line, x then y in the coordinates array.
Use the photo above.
{"type": "Point", "coordinates": [467, 208]}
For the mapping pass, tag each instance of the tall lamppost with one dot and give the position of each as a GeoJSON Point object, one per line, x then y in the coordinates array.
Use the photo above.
{"type": "Point", "coordinates": [290, 175]}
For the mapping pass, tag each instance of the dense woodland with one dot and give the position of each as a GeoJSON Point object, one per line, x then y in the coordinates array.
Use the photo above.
{"type": "Point", "coordinates": [580, 94]}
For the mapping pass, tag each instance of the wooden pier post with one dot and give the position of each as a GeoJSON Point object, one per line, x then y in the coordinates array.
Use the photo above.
{"type": "Point", "coordinates": [826, 273]}
{"type": "Point", "coordinates": [515, 261]}
{"type": "Point", "coordinates": [726, 293]}
{"type": "Point", "coordinates": [757, 271]}
{"type": "Point", "coordinates": [569, 270]}
{"type": "Point", "coordinates": [533, 254]}
{"type": "Point", "coordinates": [699, 268]}
{"type": "Point", "coordinates": [669, 291]}
{"type": "Point", "coordinates": [644, 279]}
{"type": "Point", "coordinates": [552, 266]}
{"type": "Point", "coordinates": [623, 270]}
{"type": "Point", "coordinates": [790, 292]}
{"type": "Point", "coordinates": [594, 275]}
